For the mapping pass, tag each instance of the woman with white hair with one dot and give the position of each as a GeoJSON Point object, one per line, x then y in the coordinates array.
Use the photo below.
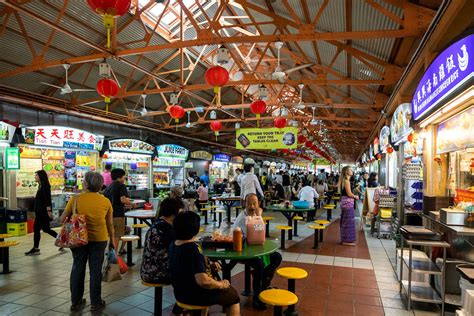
{"type": "Point", "coordinates": [100, 229]}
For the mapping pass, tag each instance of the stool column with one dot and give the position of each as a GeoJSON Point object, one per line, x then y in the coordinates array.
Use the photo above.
{"type": "Point", "coordinates": [6, 260]}
{"type": "Point", "coordinates": [277, 311]}
{"type": "Point", "coordinates": [291, 311]}
{"type": "Point", "coordinates": [214, 219]}
{"type": "Point", "coordinates": [329, 214]}
{"type": "Point", "coordinates": [205, 217]}
{"type": "Point", "coordinates": [316, 240]}
{"type": "Point", "coordinates": [282, 241]}
{"type": "Point", "coordinates": [158, 301]}
{"type": "Point", "coordinates": [295, 225]}
{"type": "Point", "coordinates": [267, 229]}
{"type": "Point", "coordinates": [129, 254]}
{"type": "Point", "coordinates": [139, 242]}
{"type": "Point", "coordinates": [321, 235]}
{"type": "Point", "coordinates": [220, 219]}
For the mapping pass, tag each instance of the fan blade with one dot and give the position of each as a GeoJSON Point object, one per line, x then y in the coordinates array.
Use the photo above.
{"type": "Point", "coordinates": [82, 90]}
{"type": "Point", "coordinates": [298, 68]}
{"type": "Point", "coordinates": [51, 85]}
{"type": "Point", "coordinates": [92, 102]}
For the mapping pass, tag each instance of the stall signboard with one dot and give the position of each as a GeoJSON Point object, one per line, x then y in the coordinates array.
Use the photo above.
{"type": "Point", "coordinates": [384, 138]}
{"type": "Point", "coordinates": [131, 145]}
{"type": "Point", "coordinates": [376, 145]}
{"type": "Point", "coordinates": [201, 154]}
{"type": "Point", "coordinates": [6, 132]}
{"type": "Point", "coordinates": [321, 162]}
{"type": "Point", "coordinates": [237, 159]}
{"type": "Point", "coordinates": [65, 137]}
{"type": "Point", "coordinates": [456, 133]}
{"type": "Point", "coordinates": [266, 138]}
{"type": "Point", "coordinates": [25, 177]}
{"type": "Point", "coordinates": [451, 69]}
{"type": "Point", "coordinates": [12, 158]}
{"type": "Point", "coordinates": [221, 157]}
{"type": "Point", "coordinates": [400, 124]}
{"type": "Point", "coordinates": [172, 151]}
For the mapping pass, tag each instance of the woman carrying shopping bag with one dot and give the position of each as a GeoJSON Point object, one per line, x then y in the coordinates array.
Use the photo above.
{"type": "Point", "coordinates": [98, 213]}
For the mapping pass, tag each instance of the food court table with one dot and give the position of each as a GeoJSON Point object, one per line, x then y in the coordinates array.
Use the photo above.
{"type": "Point", "coordinates": [233, 257]}
{"type": "Point", "coordinates": [290, 213]}
{"type": "Point", "coordinates": [228, 202]}
{"type": "Point", "coordinates": [145, 216]}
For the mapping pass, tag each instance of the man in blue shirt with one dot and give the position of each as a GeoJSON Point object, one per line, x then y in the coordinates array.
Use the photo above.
{"type": "Point", "coordinates": [205, 178]}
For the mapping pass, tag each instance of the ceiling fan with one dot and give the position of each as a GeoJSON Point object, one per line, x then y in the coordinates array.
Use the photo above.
{"type": "Point", "coordinates": [143, 111]}
{"type": "Point", "coordinates": [313, 120]}
{"type": "Point", "coordinates": [189, 124]}
{"type": "Point", "coordinates": [278, 73]}
{"type": "Point", "coordinates": [66, 89]}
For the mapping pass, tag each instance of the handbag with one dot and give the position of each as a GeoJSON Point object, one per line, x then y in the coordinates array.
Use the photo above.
{"type": "Point", "coordinates": [74, 231]}
{"type": "Point", "coordinates": [111, 266]}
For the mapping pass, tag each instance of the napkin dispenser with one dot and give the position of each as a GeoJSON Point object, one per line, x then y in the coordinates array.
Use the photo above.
{"type": "Point", "coordinates": [453, 216]}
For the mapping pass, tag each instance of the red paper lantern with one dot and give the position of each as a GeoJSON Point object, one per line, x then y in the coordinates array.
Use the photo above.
{"type": "Point", "coordinates": [176, 112]}
{"type": "Point", "coordinates": [285, 151]}
{"type": "Point", "coordinates": [217, 77]}
{"type": "Point", "coordinates": [109, 9]}
{"type": "Point", "coordinates": [301, 139]}
{"type": "Point", "coordinates": [107, 88]}
{"type": "Point", "coordinates": [279, 122]}
{"type": "Point", "coordinates": [308, 144]}
{"type": "Point", "coordinates": [258, 107]}
{"type": "Point", "coordinates": [390, 149]}
{"type": "Point", "coordinates": [216, 126]}
{"type": "Point", "coordinates": [410, 137]}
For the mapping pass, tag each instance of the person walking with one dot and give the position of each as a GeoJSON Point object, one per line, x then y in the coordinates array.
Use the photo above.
{"type": "Point", "coordinates": [205, 178]}
{"type": "Point", "coordinates": [347, 221]}
{"type": "Point", "coordinates": [43, 211]}
{"type": "Point", "coordinates": [100, 230]}
{"type": "Point", "coordinates": [190, 186]}
{"type": "Point", "coordinates": [250, 184]}
{"type": "Point", "coordinates": [286, 183]}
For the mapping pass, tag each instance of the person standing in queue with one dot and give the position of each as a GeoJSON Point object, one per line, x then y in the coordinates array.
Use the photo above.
{"type": "Point", "coordinates": [43, 211]}
{"type": "Point", "coordinates": [107, 174]}
{"type": "Point", "coordinates": [347, 222]}
{"type": "Point", "coordinates": [100, 229]}
{"type": "Point", "coordinates": [262, 275]}
{"type": "Point", "coordinates": [117, 193]}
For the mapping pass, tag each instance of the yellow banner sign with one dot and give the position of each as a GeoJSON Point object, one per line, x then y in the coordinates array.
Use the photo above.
{"type": "Point", "coordinates": [266, 138]}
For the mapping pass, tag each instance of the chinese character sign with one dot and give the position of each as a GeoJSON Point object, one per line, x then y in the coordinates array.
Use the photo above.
{"type": "Point", "coordinates": [57, 136]}
{"type": "Point", "coordinates": [451, 69]}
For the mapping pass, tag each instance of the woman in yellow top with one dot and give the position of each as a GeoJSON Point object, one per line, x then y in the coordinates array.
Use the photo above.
{"type": "Point", "coordinates": [100, 229]}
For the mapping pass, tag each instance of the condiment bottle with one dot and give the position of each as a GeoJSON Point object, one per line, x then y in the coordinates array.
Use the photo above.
{"type": "Point", "coordinates": [237, 239]}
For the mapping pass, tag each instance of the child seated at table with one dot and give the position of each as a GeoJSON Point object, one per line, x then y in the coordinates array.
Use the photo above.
{"type": "Point", "coordinates": [191, 273]}
{"type": "Point", "coordinates": [262, 275]}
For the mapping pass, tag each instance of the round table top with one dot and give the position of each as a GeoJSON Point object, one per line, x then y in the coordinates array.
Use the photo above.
{"type": "Point", "coordinates": [141, 214]}
{"type": "Point", "coordinates": [137, 201]}
{"type": "Point", "coordinates": [5, 236]}
{"type": "Point", "coordinates": [248, 251]}
{"type": "Point", "coordinates": [227, 198]}
{"type": "Point", "coordinates": [276, 208]}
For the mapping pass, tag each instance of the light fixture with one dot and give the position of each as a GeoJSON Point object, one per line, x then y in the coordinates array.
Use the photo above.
{"type": "Point", "coordinates": [104, 69]}
{"type": "Point", "coordinates": [263, 92]}
{"type": "Point", "coordinates": [213, 115]}
{"type": "Point", "coordinates": [300, 105]}
{"type": "Point", "coordinates": [283, 111]}
{"type": "Point", "coordinates": [144, 111]}
{"type": "Point", "coordinates": [237, 125]}
{"type": "Point", "coordinates": [199, 109]}
{"type": "Point", "coordinates": [174, 98]}
{"type": "Point", "coordinates": [313, 120]}
{"type": "Point", "coordinates": [222, 55]}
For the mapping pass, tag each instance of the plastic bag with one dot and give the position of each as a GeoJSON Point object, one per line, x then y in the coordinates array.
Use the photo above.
{"type": "Point", "coordinates": [122, 265]}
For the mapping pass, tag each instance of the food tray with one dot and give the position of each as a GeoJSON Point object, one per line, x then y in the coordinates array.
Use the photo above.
{"type": "Point", "coordinates": [208, 243]}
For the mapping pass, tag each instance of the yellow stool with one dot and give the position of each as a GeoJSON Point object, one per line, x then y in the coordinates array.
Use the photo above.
{"type": "Point", "coordinates": [201, 229]}
{"type": "Point", "coordinates": [329, 208]}
{"type": "Point", "coordinates": [213, 212]}
{"type": "Point", "coordinates": [195, 309]}
{"type": "Point", "coordinates": [5, 248]}
{"type": "Point", "coordinates": [204, 212]}
{"type": "Point", "coordinates": [267, 220]}
{"type": "Point", "coordinates": [283, 229]}
{"type": "Point", "coordinates": [292, 274]}
{"type": "Point", "coordinates": [158, 296]}
{"type": "Point", "coordinates": [295, 224]}
{"type": "Point", "coordinates": [278, 298]}
{"type": "Point", "coordinates": [137, 230]}
{"type": "Point", "coordinates": [317, 236]}
{"type": "Point", "coordinates": [220, 212]}
{"type": "Point", "coordinates": [129, 239]}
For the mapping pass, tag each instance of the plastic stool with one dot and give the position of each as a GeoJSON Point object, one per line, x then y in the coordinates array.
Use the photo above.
{"type": "Point", "coordinates": [129, 239]}
{"type": "Point", "coordinates": [267, 220]}
{"type": "Point", "coordinates": [195, 309]}
{"type": "Point", "coordinates": [295, 224]}
{"type": "Point", "coordinates": [283, 229]}
{"type": "Point", "coordinates": [137, 230]}
{"type": "Point", "coordinates": [292, 274]}
{"type": "Point", "coordinates": [158, 306]}
{"type": "Point", "coordinates": [316, 234]}
{"type": "Point", "coordinates": [278, 298]}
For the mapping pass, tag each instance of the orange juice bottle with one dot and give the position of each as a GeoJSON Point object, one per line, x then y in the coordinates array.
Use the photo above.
{"type": "Point", "coordinates": [237, 239]}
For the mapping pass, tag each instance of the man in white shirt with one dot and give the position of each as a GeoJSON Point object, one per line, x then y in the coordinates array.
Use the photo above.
{"type": "Point", "coordinates": [308, 194]}
{"type": "Point", "coordinates": [279, 177]}
{"type": "Point", "coordinates": [262, 276]}
{"type": "Point", "coordinates": [239, 176]}
{"type": "Point", "coordinates": [249, 183]}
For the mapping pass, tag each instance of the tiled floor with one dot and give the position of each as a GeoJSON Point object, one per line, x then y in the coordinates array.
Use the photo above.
{"type": "Point", "coordinates": [342, 280]}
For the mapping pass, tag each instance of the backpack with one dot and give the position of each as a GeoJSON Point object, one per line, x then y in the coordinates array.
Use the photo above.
{"type": "Point", "coordinates": [190, 190]}
{"type": "Point", "coordinates": [155, 265]}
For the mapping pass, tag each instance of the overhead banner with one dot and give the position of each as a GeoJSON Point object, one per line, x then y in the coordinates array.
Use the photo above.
{"type": "Point", "coordinates": [65, 137]}
{"type": "Point", "coordinates": [201, 154]}
{"type": "Point", "coordinates": [456, 133]}
{"type": "Point", "coordinates": [221, 157]}
{"type": "Point", "coordinates": [266, 138]}
{"type": "Point", "coordinates": [321, 162]}
{"type": "Point", "coordinates": [451, 69]}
